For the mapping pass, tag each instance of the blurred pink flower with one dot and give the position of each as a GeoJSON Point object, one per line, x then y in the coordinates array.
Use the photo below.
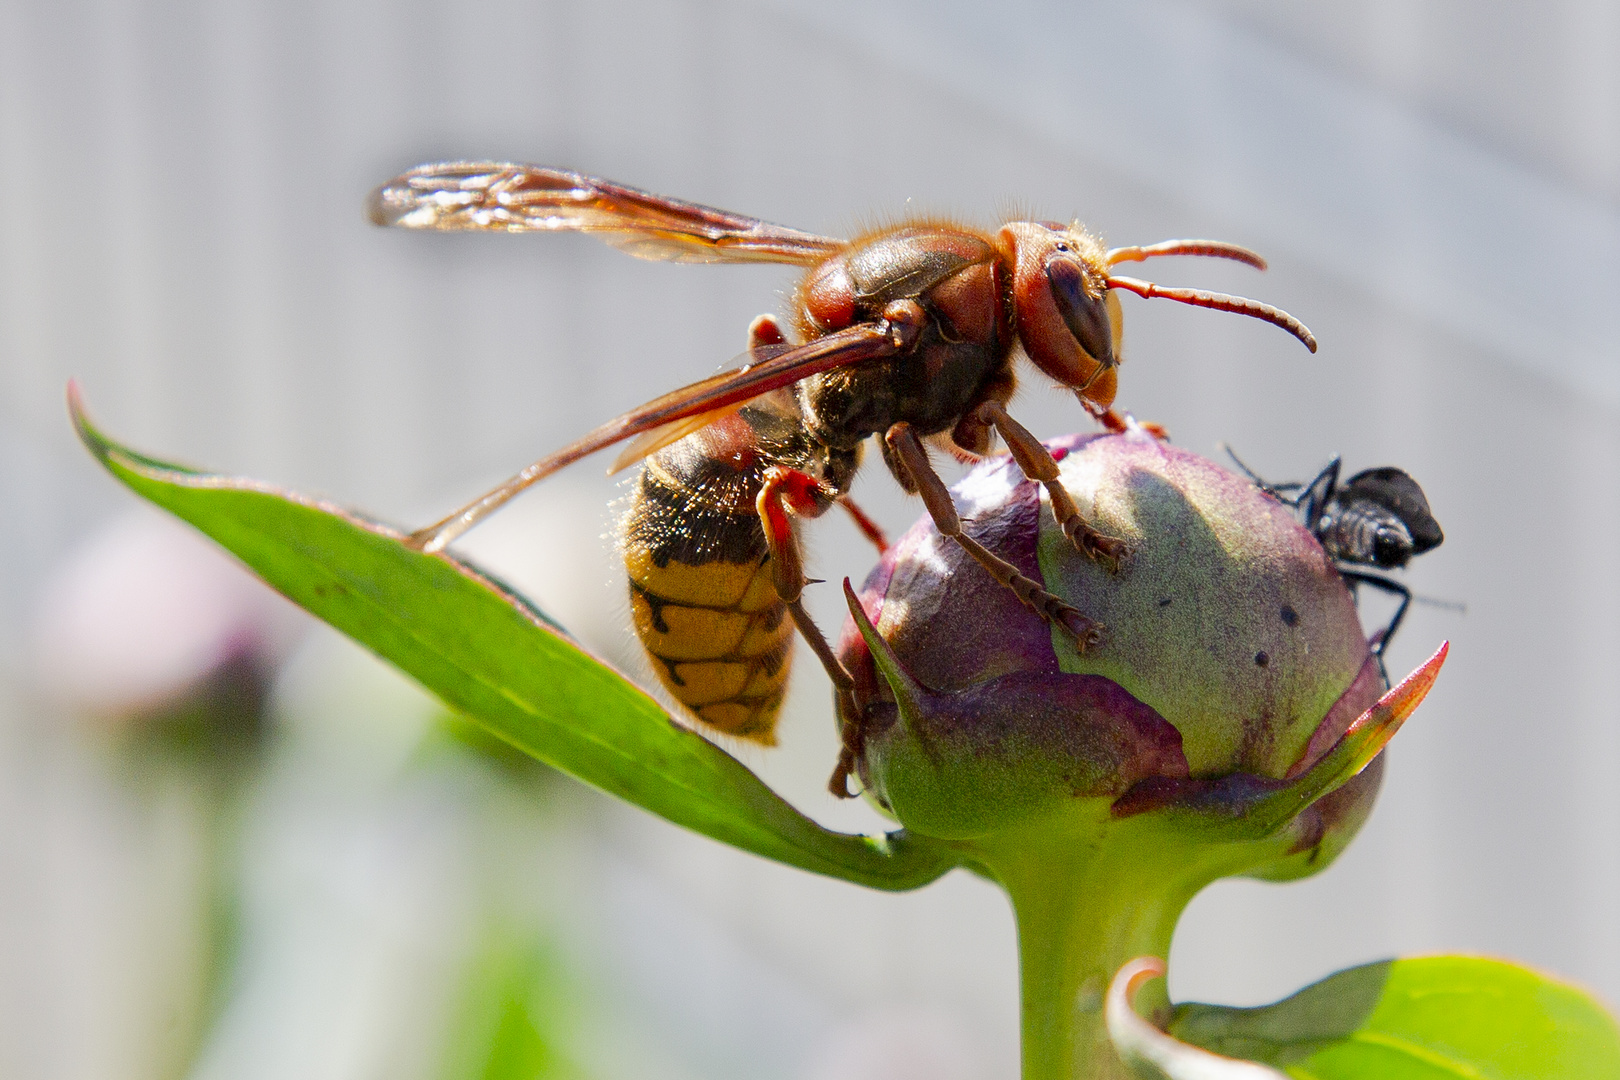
{"type": "Point", "coordinates": [145, 613]}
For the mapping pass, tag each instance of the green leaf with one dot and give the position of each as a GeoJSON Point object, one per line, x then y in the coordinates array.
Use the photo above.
{"type": "Point", "coordinates": [488, 652]}
{"type": "Point", "coordinates": [1432, 1018]}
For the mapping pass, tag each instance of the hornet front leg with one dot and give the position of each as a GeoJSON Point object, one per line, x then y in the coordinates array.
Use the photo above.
{"type": "Point", "coordinates": [1038, 464]}
{"type": "Point", "coordinates": [907, 451]}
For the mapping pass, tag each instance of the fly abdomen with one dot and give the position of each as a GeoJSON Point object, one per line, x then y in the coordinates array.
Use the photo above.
{"type": "Point", "coordinates": [1361, 531]}
{"type": "Point", "coordinates": [701, 593]}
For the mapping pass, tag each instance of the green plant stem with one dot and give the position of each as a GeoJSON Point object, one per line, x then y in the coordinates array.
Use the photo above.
{"type": "Point", "coordinates": [1069, 942]}
{"type": "Point", "coordinates": [1090, 894]}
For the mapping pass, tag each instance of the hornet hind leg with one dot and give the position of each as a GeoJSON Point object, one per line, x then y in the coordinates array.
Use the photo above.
{"type": "Point", "coordinates": [788, 491]}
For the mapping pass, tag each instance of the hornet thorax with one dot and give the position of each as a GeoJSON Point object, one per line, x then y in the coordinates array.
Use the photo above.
{"type": "Point", "coordinates": [952, 284]}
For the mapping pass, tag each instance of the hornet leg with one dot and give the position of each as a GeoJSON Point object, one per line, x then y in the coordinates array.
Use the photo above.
{"type": "Point", "coordinates": [1114, 424]}
{"type": "Point", "coordinates": [788, 490]}
{"type": "Point", "coordinates": [909, 453]}
{"type": "Point", "coordinates": [1037, 464]}
{"type": "Point", "coordinates": [869, 528]}
{"type": "Point", "coordinates": [765, 330]}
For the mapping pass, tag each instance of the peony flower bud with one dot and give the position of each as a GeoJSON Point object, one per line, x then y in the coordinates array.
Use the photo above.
{"type": "Point", "coordinates": [1232, 658]}
{"type": "Point", "coordinates": [1224, 724]}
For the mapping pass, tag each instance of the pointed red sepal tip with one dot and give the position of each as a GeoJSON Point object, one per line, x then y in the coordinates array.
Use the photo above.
{"type": "Point", "coordinates": [906, 689]}
{"type": "Point", "coordinates": [1366, 738]}
{"type": "Point", "coordinates": [1399, 702]}
{"type": "Point", "coordinates": [1257, 803]}
{"type": "Point", "coordinates": [92, 439]}
{"type": "Point", "coordinates": [75, 402]}
{"type": "Point", "coordinates": [863, 623]}
{"type": "Point", "coordinates": [855, 610]}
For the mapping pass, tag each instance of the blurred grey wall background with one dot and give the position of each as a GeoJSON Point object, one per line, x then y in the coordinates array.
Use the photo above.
{"type": "Point", "coordinates": [1437, 184]}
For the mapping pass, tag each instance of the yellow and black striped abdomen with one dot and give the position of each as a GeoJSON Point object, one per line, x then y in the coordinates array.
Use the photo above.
{"type": "Point", "coordinates": [701, 592]}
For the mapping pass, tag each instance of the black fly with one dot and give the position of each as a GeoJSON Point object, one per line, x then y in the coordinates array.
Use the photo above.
{"type": "Point", "coordinates": [1379, 518]}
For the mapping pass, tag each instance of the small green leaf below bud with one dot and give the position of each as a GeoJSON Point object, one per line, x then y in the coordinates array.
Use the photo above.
{"type": "Point", "coordinates": [1150, 1053]}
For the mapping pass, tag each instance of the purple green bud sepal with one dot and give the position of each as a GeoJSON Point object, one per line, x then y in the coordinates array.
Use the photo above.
{"type": "Point", "coordinates": [1232, 657]}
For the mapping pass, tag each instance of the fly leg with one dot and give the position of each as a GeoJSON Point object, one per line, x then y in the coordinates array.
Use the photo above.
{"type": "Point", "coordinates": [1038, 465]}
{"type": "Point", "coordinates": [788, 490]}
{"type": "Point", "coordinates": [1394, 588]}
{"type": "Point", "coordinates": [907, 451]}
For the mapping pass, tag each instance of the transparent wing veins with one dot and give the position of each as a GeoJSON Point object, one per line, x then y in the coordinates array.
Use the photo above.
{"type": "Point", "coordinates": [505, 197]}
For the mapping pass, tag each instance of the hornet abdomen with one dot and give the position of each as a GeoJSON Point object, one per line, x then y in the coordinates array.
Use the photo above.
{"type": "Point", "coordinates": [701, 593]}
